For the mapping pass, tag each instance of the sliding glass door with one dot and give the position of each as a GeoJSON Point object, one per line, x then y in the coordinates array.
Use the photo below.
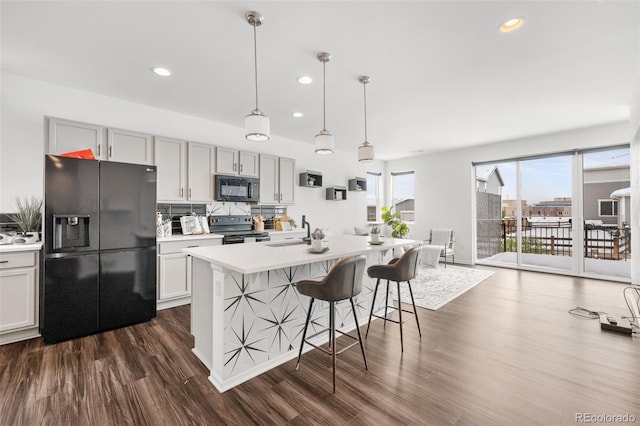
{"type": "Point", "coordinates": [607, 212]}
{"type": "Point", "coordinates": [497, 212]}
{"type": "Point", "coordinates": [568, 213]}
{"type": "Point", "coordinates": [546, 235]}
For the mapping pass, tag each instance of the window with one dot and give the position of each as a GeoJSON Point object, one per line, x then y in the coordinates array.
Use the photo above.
{"type": "Point", "coordinates": [373, 196]}
{"type": "Point", "coordinates": [607, 207]}
{"type": "Point", "coordinates": [403, 194]}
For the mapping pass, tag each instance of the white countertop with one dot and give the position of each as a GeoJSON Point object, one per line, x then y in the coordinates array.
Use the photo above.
{"type": "Point", "coordinates": [249, 258]}
{"type": "Point", "coordinates": [180, 237]}
{"type": "Point", "coordinates": [4, 248]}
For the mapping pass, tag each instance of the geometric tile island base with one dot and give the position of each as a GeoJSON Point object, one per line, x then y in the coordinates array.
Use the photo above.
{"type": "Point", "coordinates": [246, 324]}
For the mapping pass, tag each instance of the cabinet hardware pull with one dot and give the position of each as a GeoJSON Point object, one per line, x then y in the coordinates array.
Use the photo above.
{"type": "Point", "coordinates": [240, 167]}
{"type": "Point", "coordinates": [192, 246]}
{"type": "Point", "coordinates": [99, 149]}
{"type": "Point", "coordinates": [111, 151]}
{"type": "Point", "coordinates": [189, 192]}
{"type": "Point", "coordinates": [4, 261]}
{"type": "Point", "coordinates": [234, 166]}
{"type": "Point", "coordinates": [181, 192]}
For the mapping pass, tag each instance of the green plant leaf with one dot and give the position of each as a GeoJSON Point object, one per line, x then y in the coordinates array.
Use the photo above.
{"type": "Point", "coordinates": [29, 214]}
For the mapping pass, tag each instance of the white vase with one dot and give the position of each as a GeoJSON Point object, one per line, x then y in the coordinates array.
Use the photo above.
{"type": "Point", "coordinates": [375, 238]}
{"type": "Point", "coordinates": [316, 244]}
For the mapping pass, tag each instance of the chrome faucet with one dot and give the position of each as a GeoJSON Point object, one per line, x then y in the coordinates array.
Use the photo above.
{"type": "Point", "coordinates": [308, 237]}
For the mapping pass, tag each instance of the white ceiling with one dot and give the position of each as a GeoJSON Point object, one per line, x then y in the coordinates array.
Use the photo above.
{"type": "Point", "coordinates": [442, 75]}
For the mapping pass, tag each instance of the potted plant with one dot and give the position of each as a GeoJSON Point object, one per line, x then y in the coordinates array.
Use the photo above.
{"type": "Point", "coordinates": [311, 180]}
{"type": "Point", "coordinates": [375, 233]}
{"type": "Point", "coordinates": [29, 217]}
{"type": "Point", "coordinates": [316, 239]}
{"type": "Point", "coordinates": [398, 228]}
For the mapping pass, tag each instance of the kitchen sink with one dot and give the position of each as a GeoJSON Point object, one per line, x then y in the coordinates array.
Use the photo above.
{"type": "Point", "coordinates": [284, 243]}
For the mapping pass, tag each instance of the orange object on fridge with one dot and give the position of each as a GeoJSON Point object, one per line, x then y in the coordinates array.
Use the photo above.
{"type": "Point", "coordinates": [86, 154]}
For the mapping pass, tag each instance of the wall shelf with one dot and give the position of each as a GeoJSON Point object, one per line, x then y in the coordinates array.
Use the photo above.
{"type": "Point", "coordinates": [336, 193]}
{"type": "Point", "coordinates": [311, 179]}
{"type": "Point", "coordinates": [358, 184]}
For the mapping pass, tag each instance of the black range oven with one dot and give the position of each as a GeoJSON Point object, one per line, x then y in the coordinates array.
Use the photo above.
{"type": "Point", "coordinates": [236, 229]}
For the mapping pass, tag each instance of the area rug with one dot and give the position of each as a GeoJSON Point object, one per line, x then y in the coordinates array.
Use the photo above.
{"type": "Point", "coordinates": [435, 287]}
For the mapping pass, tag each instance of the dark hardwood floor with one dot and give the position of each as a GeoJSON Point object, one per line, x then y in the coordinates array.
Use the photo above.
{"type": "Point", "coordinates": [504, 353]}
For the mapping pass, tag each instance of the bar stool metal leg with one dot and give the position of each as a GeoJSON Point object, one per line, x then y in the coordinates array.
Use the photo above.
{"type": "Point", "coordinates": [373, 303]}
{"type": "Point", "coordinates": [400, 317]}
{"type": "Point", "coordinates": [355, 318]}
{"type": "Point", "coordinates": [386, 305]}
{"type": "Point", "coordinates": [332, 321]}
{"type": "Point", "coordinates": [415, 312]}
{"type": "Point", "coordinates": [304, 332]}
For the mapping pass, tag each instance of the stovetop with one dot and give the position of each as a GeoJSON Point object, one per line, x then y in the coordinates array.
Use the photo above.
{"type": "Point", "coordinates": [234, 225]}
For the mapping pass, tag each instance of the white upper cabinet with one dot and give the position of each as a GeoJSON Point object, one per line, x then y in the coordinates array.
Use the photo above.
{"type": "Point", "coordinates": [287, 180]}
{"type": "Point", "coordinates": [232, 162]}
{"type": "Point", "coordinates": [200, 171]}
{"type": "Point", "coordinates": [268, 179]}
{"type": "Point", "coordinates": [68, 136]}
{"type": "Point", "coordinates": [248, 164]}
{"type": "Point", "coordinates": [277, 179]}
{"type": "Point", "coordinates": [172, 163]}
{"type": "Point", "coordinates": [129, 147]}
{"type": "Point", "coordinates": [185, 170]}
{"type": "Point", "coordinates": [226, 161]}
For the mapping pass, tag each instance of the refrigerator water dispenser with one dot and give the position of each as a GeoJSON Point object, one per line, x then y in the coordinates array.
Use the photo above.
{"type": "Point", "coordinates": [70, 231]}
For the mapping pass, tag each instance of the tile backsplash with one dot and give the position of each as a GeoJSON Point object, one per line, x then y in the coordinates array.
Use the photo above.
{"type": "Point", "coordinates": [221, 208]}
{"type": "Point", "coordinates": [6, 224]}
{"type": "Point", "coordinates": [216, 208]}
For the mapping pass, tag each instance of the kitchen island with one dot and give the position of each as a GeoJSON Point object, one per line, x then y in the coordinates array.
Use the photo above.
{"type": "Point", "coordinates": [246, 315]}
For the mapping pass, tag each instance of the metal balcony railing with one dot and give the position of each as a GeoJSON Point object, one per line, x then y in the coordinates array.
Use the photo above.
{"type": "Point", "coordinates": [555, 238]}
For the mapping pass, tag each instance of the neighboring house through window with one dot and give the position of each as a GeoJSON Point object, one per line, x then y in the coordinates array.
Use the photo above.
{"type": "Point", "coordinates": [403, 194]}
{"type": "Point", "coordinates": [373, 196]}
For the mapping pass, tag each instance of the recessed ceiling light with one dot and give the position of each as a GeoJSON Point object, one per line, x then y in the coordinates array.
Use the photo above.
{"type": "Point", "coordinates": [304, 79]}
{"type": "Point", "coordinates": [511, 25]}
{"type": "Point", "coordinates": [163, 72]}
{"type": "Point", "coordinates": [297, 114]}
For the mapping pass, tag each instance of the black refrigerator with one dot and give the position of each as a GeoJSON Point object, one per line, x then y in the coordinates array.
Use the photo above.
{"type": "Point", "coordinates": [99, 247]}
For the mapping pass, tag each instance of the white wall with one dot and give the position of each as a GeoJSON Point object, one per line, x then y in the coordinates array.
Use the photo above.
{"type": "Point", "coordinates": [445, 181]}
{"type": "Point", "coordinates": [25, 102]}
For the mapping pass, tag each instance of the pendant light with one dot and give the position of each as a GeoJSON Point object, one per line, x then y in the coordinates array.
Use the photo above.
{"type": "Point", "coordinates": [365, 151]}
{"type": "Point", "coordinates": [256, 124]}
{"type": "Point", "coordinates": [324, 139]}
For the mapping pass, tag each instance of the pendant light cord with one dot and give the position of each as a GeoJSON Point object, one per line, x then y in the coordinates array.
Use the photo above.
{"type": "Point", "coordinates": [364, 85]}
{"type": "Point", "coordinates": [255, 60]}
{"type": "Point", "coordinates": [324, 95]}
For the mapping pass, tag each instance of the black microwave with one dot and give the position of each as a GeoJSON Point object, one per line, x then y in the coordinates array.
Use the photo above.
{"type": "Point", "coordinates": [238, 189]}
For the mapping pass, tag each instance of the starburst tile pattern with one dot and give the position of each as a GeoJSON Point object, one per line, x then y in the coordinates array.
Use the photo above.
{"type": "Point", "coordinates": [264, 314]}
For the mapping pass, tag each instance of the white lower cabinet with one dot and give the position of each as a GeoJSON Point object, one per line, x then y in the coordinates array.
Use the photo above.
{"type": "Point", "coordinates": [18, 296]}
{"type": "Point", "coordinates": [173, 272]}
{"type": "Point", "coordinates": [174, 285]}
